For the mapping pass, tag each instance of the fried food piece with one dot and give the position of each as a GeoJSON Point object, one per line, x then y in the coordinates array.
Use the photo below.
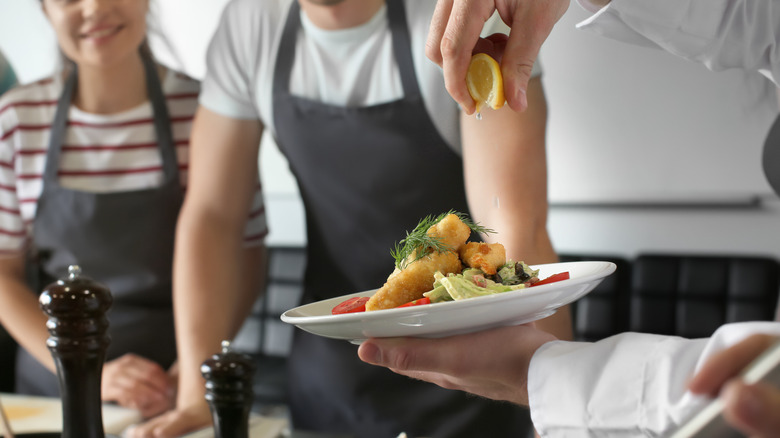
{"type": "Point", "coordinates": [485, 256]}
{"type": "Point", "coordinates": [451, 231]}
{"type": "Point", "coordinates": [410, 283]}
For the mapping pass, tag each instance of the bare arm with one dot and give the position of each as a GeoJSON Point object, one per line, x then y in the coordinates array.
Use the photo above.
{"type": "Point", "coordinates": [496, 366]}
{"type": "Point", "coordinates": [20, 313]}
{"type": "Point", "coordinates": [506, 182]}
{"type": "Point", "coordinates": [216, 279]}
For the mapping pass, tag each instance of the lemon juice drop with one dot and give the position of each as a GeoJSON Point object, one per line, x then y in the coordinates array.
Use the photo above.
{"type": "Point", "coordinates": [479, 116]}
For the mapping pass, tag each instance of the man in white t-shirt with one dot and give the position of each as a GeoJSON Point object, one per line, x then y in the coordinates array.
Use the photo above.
{"type": "Point", "coordinates": [376, 144]}
{"type": "Point", "coordinates": [631, 384]}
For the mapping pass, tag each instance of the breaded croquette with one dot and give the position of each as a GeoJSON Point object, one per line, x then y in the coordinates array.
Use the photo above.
{"type": "Point", "coordinates": [409, 283]}
{"type": "Point", "coordinates": [451, 231]}
{"type": "Point", "coordinates": [485, 256]}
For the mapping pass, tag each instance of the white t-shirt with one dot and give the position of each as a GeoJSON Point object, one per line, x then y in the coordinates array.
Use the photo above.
{"type": "Point", "coordinates": [101, 153]}
{"type": "Point", "coordinates": [352, 67]}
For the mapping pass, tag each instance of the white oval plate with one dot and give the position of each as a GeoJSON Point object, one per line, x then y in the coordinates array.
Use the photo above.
{"type": "Point", "coordinates": [453, 317]}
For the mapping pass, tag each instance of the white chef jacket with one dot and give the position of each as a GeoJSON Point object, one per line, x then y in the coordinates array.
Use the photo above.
{"type": "Point", "coordinates": [721, 34]}
{"type": "Point", "coordinates": [630, 384]}
{"type": "Point", "coordinates": [634, 384]}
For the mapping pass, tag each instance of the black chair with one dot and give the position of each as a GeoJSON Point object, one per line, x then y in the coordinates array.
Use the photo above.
{"type": "Point", "coordinates": [692, 295]}
{"type": "Point", "coordinates": [604, 311]}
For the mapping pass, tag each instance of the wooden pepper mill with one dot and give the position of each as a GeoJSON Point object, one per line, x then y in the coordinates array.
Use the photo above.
{"type": "Point", "coordinates": [78, 340]}
{"type": "Point", "coordinates": [229, 391]}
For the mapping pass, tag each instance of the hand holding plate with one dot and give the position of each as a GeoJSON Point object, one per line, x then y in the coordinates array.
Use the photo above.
{"type": "Point", "coordinates": [492, 363]}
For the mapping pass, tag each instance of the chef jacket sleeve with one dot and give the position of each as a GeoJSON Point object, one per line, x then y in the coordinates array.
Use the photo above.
{"type": "Point", "coordinates": [630, 384]}
{"type": "Point", "coordinates": [720, 34]}
{"type": "Point", "coordinates": [227, 88]}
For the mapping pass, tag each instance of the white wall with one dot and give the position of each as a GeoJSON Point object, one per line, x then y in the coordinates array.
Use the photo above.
{"type": "Point", "coordinates": [26, 39]}
{"type": "Point", "coordinates": [630, 125]}
{"type": "Point", "coordinates": [627, 126]}
{"type": "Point", "coordinates": [647, 123]}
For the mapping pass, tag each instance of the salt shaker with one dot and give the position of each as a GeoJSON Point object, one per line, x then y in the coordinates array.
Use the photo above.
{"type": "Point", "coordinates": [229, 391]}
{"type": "Point", "coordinates": [78, 339]}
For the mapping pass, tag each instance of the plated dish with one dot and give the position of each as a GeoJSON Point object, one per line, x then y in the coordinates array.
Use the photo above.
{"type": "Point", "coordinates": [453, 317]}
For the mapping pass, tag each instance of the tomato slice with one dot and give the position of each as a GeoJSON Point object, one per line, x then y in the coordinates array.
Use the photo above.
{"type": "Point", "coordinates": [553, 278]}
{"type": "Point", "coordinates": [424, 300]}
{"type": "Point", "coordinates": [351, 305]}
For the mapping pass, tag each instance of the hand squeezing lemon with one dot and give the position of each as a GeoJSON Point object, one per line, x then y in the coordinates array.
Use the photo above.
{"type": "Point", "coordinates": [485, 83]}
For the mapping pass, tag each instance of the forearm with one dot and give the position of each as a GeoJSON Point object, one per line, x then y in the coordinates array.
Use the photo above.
{"type": "Point", "coordinates": [505, 168]}
{"type": "Point", "coordinates": [253, 276]}
{"type": "Point", "coordinates": [22, 317]}
{"type": "Point", "coordinates": [524, 235]}
{"type": "Point", "coordinates": [506, 181]}
{"type": "Point", "coordinates": [211, 296]}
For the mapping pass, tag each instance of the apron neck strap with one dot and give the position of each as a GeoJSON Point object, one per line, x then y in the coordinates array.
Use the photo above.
{"type": "Point", "coordinates": [402, 46]}
{"type": "Point", "coordinates": [161, 120]}
{"type": "Point", "coordinates": [58, 128]}
{"type": "Point", "coordinates": [396, 16]}
{"type": "Point", "coordinates": [286, 51]}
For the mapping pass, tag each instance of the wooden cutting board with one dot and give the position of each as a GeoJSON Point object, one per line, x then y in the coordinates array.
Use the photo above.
{"type": "Point", "coordinates": [44, 414]}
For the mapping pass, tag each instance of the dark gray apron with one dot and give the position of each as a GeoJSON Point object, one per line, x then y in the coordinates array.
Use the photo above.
{"type": "Point", "coordinates": [121, 239]}
{"type": "Point", "coordinates": [367, 175]}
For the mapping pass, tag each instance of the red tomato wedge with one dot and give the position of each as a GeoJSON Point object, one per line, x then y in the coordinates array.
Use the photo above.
{"type": "Point", "coordinates": [553, 278]}
{"type": "Point", "coordinates": [352, 305]}
{"type": "Point", "coordinates": [425, 300]}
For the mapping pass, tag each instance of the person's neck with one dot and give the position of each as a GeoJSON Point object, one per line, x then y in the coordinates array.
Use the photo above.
{"type": "Point", "coordinates": [343, 15]}
{"type": "Point", "coordinates": [111, 89]}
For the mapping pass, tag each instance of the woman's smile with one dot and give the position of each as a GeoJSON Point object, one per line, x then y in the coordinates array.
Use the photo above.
{"type": "Point", "coordinates": [101, 34]}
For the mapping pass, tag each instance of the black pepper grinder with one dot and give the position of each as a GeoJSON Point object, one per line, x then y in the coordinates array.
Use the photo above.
{"type": "Point", "coordinates": [229, 391]}
{"type": "Point", "coordinates": [78, 340]}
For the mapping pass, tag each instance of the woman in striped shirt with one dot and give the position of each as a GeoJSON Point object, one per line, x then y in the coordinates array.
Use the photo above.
{"type": "Point", "coordinates": [93, 165]}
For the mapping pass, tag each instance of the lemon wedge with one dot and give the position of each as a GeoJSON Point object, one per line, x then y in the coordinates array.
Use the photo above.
{"type": "Point", "coordinates": [484, 81]}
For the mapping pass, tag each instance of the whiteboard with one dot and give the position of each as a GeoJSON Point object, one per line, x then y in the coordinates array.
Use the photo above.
{"type": "Point", "coordinates": [633, 123]}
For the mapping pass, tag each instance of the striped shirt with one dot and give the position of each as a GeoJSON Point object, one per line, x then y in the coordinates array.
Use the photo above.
{"type": "Point", "coordinates": [100, 153]}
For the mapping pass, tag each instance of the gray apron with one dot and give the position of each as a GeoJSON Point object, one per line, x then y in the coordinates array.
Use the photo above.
{"type": "Point", "coordinates": [367, 175]}
{"type": "Point", "coordinates": [121, 239]}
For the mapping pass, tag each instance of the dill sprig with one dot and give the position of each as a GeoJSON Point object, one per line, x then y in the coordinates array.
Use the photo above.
{"type": "Point", "coordinates": [418, 241]}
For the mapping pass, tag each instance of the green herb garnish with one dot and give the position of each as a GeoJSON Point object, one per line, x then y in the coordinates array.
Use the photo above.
{"type": "Point", "coordinates": [418, 239]}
